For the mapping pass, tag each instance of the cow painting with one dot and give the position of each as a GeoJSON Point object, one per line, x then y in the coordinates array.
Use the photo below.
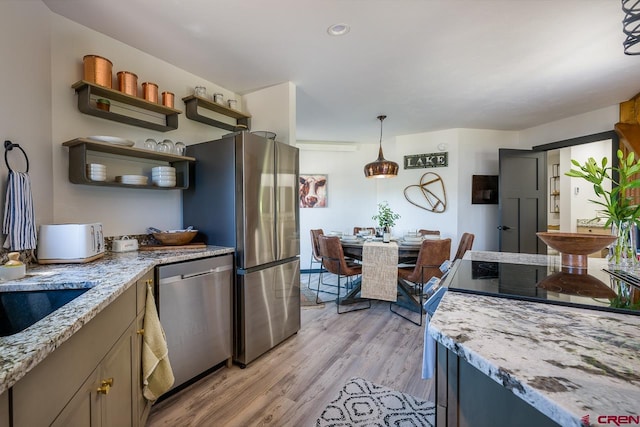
{"type": "Point", "coordinates": [313, 191]}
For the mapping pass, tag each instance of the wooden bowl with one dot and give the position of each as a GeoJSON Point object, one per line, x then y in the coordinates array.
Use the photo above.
{"type": "Point", "coordinates": [174, 238]}
{"type": "Point", "coordinates": [575, 247]}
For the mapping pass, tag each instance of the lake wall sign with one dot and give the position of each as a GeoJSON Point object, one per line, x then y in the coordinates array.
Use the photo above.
{"type": "Point", "coordinates": [430, 160]}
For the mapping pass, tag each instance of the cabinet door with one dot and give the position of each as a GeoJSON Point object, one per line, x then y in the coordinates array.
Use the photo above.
{"type": "Point", "coordinates": [143, 405]}
{"type": "Point", "coordinates": [117, 371]}
{"type": "Point", "coordinates": [83, 410]}
{"type": "Point", "coordinates": [4, 409]}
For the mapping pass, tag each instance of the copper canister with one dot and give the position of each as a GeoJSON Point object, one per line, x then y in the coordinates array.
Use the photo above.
{"type": "Point", "coordinates": [167, 99]}
{"type": "Point", "coordinates": [128, 83]}
{"type": "Point", "coordinates": [150, 91]}
{"type": "Point", "coordinates": [98, 70]}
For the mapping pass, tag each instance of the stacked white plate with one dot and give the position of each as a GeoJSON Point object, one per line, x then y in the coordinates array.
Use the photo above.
{"type": "Point", "coordinates": [163, 176]}
{"type": "Point", "coordinates": [132, 179]}
{"type": "Point", "coordinates": [96, 172]}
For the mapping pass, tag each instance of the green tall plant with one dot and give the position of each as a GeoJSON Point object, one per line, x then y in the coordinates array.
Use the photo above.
{"type": "Point", "coordinates": [386, 217]}
{"type": "Point", "coordinates": [617, 205]}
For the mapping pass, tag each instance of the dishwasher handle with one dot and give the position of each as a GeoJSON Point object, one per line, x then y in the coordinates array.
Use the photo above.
{"type": "Point", "coordinates": [179, 277]}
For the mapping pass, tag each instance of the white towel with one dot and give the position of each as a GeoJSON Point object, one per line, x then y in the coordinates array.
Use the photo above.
{"type": "Point", "coordinates": [157, 375]}
{"type": "Point", "coordinates": [19, 217]}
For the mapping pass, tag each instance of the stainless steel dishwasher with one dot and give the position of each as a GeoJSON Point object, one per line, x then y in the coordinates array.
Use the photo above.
{"type": "Point", "coordinates": [194, 306]}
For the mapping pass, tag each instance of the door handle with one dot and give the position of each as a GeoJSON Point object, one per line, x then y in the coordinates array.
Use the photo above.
{"type": "Point", "coordinates": [504, 227]}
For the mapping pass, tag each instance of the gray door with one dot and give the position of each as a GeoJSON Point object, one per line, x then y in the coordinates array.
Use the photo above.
{"type": "Point", "coordinates": [255, 169]}
{"type": "Point", "coordinates": [287, 222]}
{"type": "Point", "coordinates": [522, 201]}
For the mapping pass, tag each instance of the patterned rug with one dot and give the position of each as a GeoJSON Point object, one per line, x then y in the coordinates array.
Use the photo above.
{"type": "Point", "coordinates": [363, 403]}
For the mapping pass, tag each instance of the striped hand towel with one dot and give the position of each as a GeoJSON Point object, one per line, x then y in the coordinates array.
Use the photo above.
{"type": "Point", "coordinates": [19, 217]}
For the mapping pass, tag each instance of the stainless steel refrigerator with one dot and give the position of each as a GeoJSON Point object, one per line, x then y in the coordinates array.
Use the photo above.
{"type": "Point", "coordinates": [243, 194]}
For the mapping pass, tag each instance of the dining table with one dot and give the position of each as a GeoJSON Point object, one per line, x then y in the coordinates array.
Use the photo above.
{"type": "Point", "coordinates": [407, 254]}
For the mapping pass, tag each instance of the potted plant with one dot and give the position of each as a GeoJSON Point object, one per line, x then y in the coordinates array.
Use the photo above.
{"type": "Point", "coordinates": [386, 217]}
{"type": "Point", "coordinates": [617, 205]}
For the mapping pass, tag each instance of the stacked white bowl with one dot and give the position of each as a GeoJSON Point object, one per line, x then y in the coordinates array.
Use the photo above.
{"type": "Point", "coordinates": [96, 172]}
{"type": "Point", "coordinates": [163, 176]}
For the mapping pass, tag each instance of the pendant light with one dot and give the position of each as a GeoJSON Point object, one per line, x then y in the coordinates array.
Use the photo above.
{"type": "Point", "coordinates": [381, 168]}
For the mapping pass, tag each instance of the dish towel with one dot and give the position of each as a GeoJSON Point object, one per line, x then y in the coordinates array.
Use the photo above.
{"type": "Point", "coordinates": [429, 352]}
{"type": "Point", "coordinates": [380, 271]}
{"type": "Point", "coordinates": [19, 218]}
{"type": "Point", "coordinates": [157, 375]}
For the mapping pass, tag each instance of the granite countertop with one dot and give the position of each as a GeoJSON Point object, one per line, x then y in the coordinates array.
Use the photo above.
{"type": "Point", "coordinates": [566, 362]}
{"type": "Point", "coordinates": [107, 277]}
{"type": "Point", "coordinates": [593, 222]}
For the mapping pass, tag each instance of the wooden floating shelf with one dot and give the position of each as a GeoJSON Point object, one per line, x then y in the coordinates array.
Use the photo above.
{"type": "Point", "coordinates": [85, 89]}
{"type": "Point", "coordinates": [79, 147]}
{"type": "Point", "coordinates": [192, 103]}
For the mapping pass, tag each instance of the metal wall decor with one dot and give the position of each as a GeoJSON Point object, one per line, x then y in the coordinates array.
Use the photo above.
{"type": "Point", "coordinates": [430, 160]}
{"type": "Point", "coordinates": [431, 187]}
{"type": "Point", "coordinates": [631, 26]}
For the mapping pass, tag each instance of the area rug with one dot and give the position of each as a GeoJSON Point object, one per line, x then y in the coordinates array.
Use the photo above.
{"type": "Point", "coordinates": [363, 403]}
{"type": "Point", "coordinates": [308, 298]}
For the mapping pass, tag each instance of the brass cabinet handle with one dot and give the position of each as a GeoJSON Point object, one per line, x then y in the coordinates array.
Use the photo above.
{"type": "Point", "coordinates": [149, 281]}
{"type": "Point", "coordinates": [105, 386]}
{"type": "Point", "coordinates": [140, 332]}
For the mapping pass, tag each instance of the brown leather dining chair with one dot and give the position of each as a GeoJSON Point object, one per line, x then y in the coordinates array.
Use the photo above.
{"type": "Point", "coordinates": [424, 232]}
{"type": "Point", "coordinates": [356, 230]}
{"type": "Point", "coordinates": [432, 254]}
{"type": "Point", "coordinates": [315, 256]}
{"type": "Point", "coordinates": [334, 262]}
{"type": "Point", "coordinates": [466, 243]}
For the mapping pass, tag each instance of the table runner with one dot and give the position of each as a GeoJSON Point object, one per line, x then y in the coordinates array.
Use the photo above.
{"type": "Point", "coordinates": [380, 271]}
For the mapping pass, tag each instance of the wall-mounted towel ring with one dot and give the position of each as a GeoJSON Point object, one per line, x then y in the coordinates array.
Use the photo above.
{"type": "Point", "coordinates": [8, 146]}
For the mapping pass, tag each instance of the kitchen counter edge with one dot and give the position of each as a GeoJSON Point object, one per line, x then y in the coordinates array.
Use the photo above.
{"type": "Point", "coordinates": [566, 362]}
{"type": "Point", "coordinates": [108, 278]}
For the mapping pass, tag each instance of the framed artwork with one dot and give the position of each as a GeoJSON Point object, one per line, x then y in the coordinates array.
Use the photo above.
{"type": "Point", "coordinates": [313, 191]}
{"type": "Point", "coordinates": [484, 190]}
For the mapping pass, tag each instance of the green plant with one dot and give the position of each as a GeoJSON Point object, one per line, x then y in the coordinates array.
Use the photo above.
{"type": "Point", "coordinates": [617, 204]}
{"type": "Point", "coordinates": [386, 217]}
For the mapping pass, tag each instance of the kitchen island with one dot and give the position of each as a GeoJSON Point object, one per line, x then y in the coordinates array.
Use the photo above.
{"type": "Point", "coordinates": [557, 365]}
{"type": "Point", "coordinates": [107, 278]}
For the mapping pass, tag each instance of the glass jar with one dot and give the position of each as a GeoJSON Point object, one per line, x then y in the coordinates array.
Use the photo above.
{"type": "Point", "coordinates": [150, 144]}
{"type": "Point", "coordinates": [200, 91]}
{"type": "Point", "coordinates": [180, 148]}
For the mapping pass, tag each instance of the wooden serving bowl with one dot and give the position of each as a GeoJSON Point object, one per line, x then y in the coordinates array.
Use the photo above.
{"type": "Point", "coordinates": [575, 247]}
{"type": "Point", "coordinates": [176, 237]}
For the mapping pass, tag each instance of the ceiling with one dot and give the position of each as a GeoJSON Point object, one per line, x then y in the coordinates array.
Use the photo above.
{"type": "Point", "coordinates": [426, 64]}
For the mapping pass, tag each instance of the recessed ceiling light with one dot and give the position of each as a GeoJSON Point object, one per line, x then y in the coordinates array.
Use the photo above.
{"type": "Point", "coordinates": [338, 29]}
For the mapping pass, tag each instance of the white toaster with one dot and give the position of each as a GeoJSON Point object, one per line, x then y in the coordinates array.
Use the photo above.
{"type": "Point", "coordinates": [70, 243]}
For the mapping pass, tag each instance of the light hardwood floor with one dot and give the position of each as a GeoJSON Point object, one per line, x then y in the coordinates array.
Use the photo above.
{"type": "Point", "coordinates": [291, 384]}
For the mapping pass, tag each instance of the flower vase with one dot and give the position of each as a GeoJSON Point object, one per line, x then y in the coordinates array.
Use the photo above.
{"type": "Point", "coordinates": [386, 236]}
{"type": "Point", "coordinates": [622, 252]}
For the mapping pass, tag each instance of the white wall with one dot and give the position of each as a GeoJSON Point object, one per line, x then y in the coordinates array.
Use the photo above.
{"type": "Point", "coordinates": [25, 106]}
{"type": "Point", "coordinates": [581, 192]}
{"type": "Point", "coordinates": [597, 121]}
{"type": "Point", "coordinates": [123, 210]}
{"type": "Point", "coordinates": [265, 117]}
{"type": "Point", "coordinates": [353, 198]}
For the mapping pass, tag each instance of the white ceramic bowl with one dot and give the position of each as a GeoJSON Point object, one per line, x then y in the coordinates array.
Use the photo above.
{"type": "Point", "coordinates": [163, 175]}
{"type": "Point", "coordinates": [413, 239]}
{"type": "Point", "coordinates": [164, 183]}
{"type": "Point", "coordinates": [164, 169]}
{"type": "Point", "coordinates": [94, 177]}
{"type": "Point", "coordinates": [96, 166]}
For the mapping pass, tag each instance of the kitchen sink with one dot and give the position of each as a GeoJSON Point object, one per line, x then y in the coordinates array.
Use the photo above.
{"type": "Point", "coordinates": [21, 309]}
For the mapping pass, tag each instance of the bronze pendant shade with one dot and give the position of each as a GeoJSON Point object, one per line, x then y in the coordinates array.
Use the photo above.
{"type": "Point", "coordinates": [381, 168]}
